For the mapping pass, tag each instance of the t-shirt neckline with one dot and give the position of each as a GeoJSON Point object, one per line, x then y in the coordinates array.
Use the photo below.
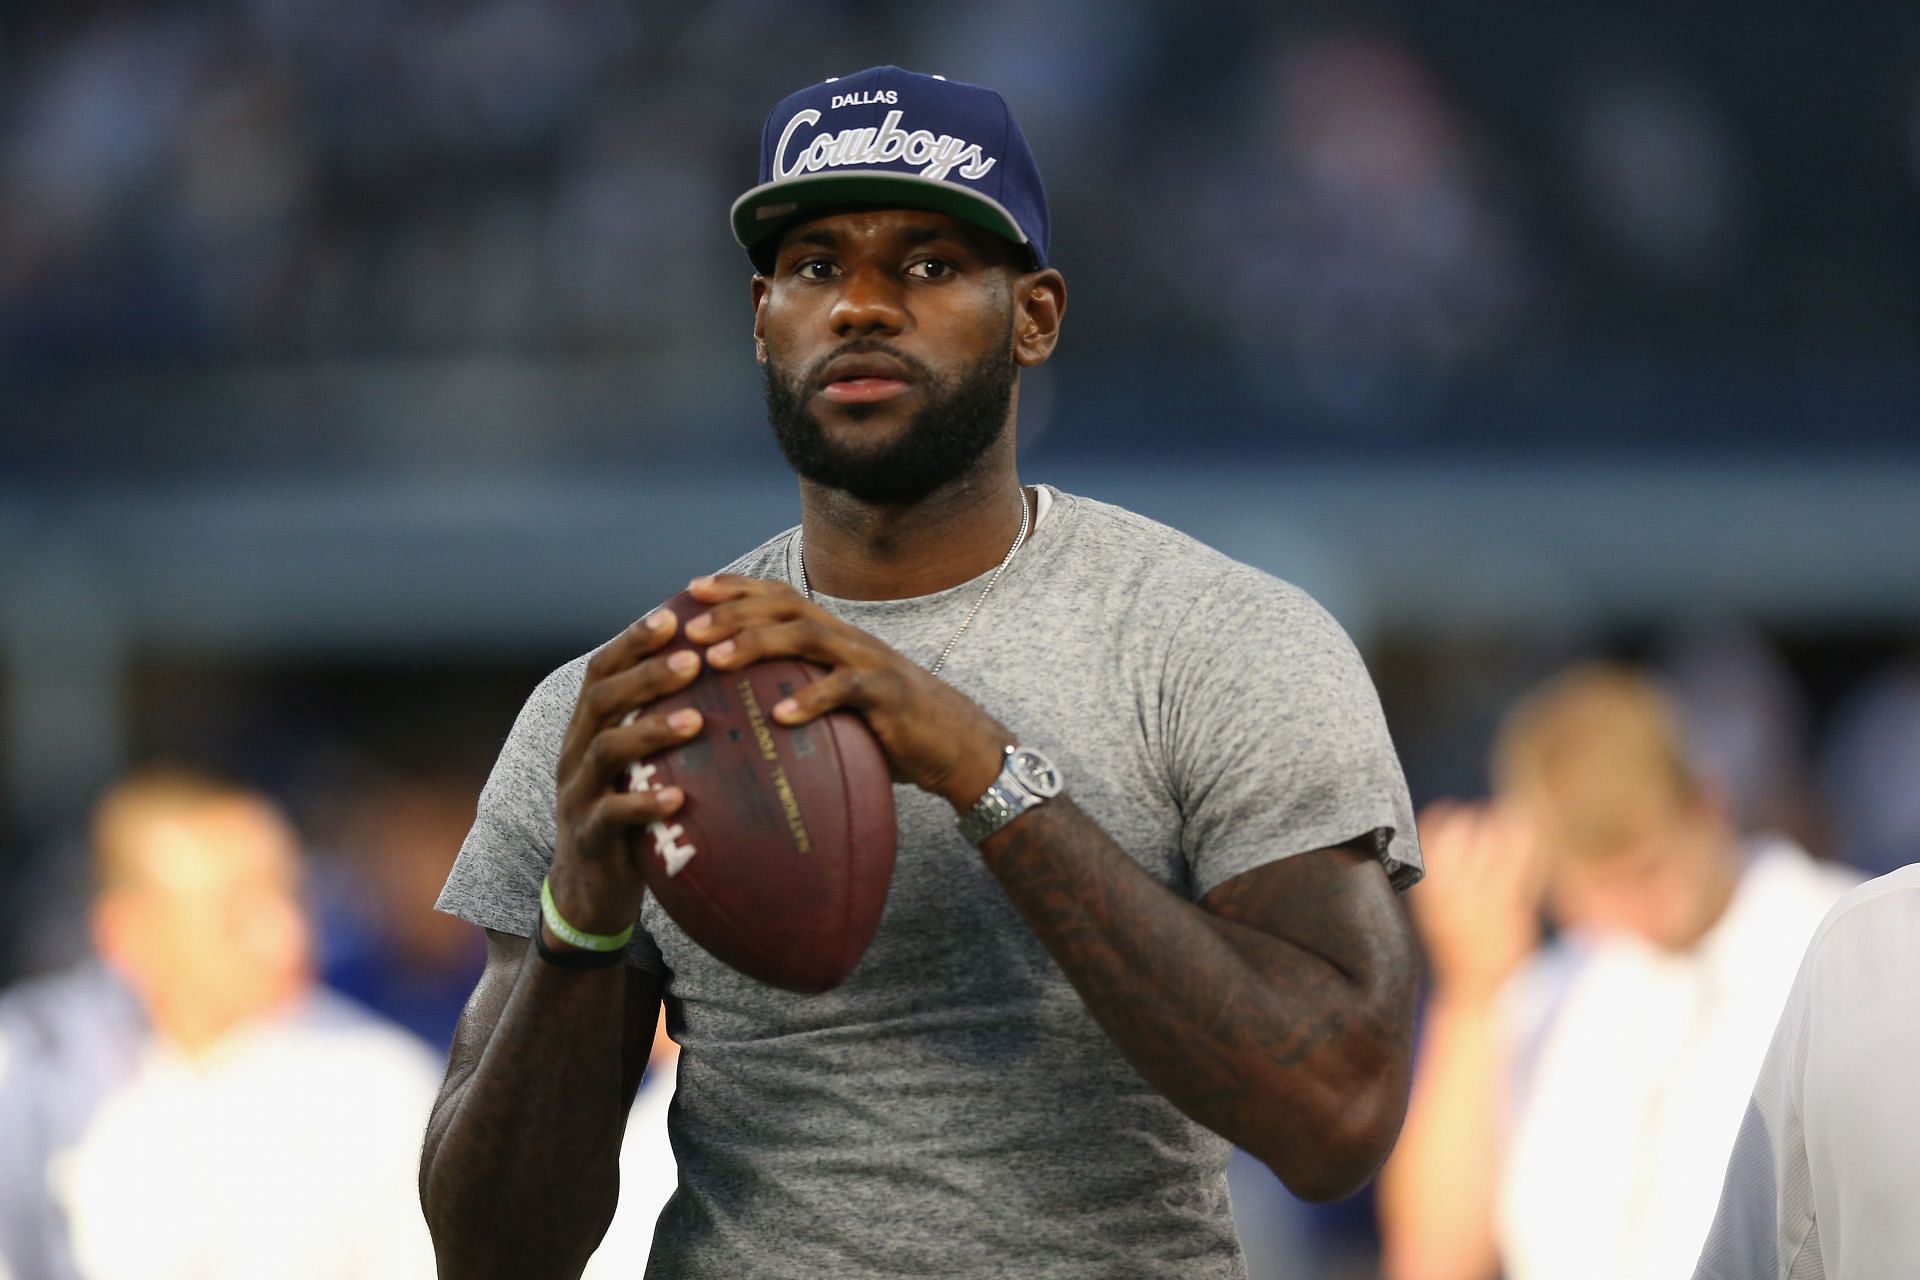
{"type": "Point", "coordinates": [1055, 511]}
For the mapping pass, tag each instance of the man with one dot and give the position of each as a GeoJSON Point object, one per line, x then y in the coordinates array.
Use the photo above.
{"type": "Point", "coordinates": [1073, 1010]}
{"type": "Point", "coordinates": [1571, 1109]}
{"type": "Point", "coordinates": [262, 1127]}
{"type": "Point", "coordinates": [1823, 1180]}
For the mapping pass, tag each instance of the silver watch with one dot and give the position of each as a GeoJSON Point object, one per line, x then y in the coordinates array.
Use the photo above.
{"type": "Point", "coordinates": [1027, 780]}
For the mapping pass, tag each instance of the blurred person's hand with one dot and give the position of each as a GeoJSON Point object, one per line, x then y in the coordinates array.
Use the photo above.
{"type": "Point", "coordinates": [1478, 911]}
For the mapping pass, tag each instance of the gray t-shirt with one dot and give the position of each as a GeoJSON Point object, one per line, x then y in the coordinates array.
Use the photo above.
{"type": "Point", "coordinates": [953, 1109]}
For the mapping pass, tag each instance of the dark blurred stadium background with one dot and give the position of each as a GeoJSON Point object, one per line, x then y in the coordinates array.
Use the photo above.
{"type": "Point", "coordinates": [360, 361]}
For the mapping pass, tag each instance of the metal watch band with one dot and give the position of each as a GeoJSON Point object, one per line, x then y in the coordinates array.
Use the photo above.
{"type": "Point", "coordinates": [1027, 780]}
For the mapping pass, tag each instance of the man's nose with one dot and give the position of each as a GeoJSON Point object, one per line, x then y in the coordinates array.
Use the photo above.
{"type": "Point", "coordinates": [870, 301]}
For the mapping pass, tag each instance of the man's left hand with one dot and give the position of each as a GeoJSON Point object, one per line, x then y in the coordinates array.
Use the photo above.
{"type": "Point", "coordinates": [934, 736]}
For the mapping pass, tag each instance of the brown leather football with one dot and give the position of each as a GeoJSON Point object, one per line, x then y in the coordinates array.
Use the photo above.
{"type": "Point", "coordinates": [779, 861]}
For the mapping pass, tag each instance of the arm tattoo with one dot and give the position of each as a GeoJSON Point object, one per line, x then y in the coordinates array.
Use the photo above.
{"type": "Point", "coordinates": [1278, 1013]}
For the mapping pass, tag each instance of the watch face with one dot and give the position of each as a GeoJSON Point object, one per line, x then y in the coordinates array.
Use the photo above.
{"type": "Point", "coordinates": [1034, 772]}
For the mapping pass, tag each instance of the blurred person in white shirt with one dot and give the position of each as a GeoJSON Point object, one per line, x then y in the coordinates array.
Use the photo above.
{"type": "Point", "coordinates": [1574, 1102]}
{"type": "Point", "coordinates": [1823, 1181]}
{"type": "Point", "coordinates": [267, 1127]}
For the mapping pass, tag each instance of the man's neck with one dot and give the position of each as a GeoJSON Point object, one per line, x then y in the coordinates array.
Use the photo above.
{"type": "Point", "coordinates": [860, 551]}
{"type": "Point", "coordinates": [197, 1031]}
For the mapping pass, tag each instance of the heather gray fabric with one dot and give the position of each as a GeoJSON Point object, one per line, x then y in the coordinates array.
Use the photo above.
{"type": "Point", "coordinates": [952, 1109]}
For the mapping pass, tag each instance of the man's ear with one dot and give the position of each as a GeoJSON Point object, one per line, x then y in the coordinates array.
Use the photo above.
{"type": "Point", "coordinates": [1040, 303]}
{"type": "Point", "coordinates": [760, 287]}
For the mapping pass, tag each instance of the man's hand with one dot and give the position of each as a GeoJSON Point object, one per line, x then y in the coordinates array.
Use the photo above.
{"type": "Point", "coordinates": [934, 736]}
{"type": "Point", "coordinates": [1478, 910]}
{"type": "Point", "coordinates": [1280, 1015]}
{"type": "Point", "coordinates": [597, 879]}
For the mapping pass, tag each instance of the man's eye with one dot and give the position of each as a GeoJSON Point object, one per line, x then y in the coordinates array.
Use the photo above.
{"type": "Point", "coordinates": [930, 269]}
{"type": "Point", "coordinates": [814, 269]}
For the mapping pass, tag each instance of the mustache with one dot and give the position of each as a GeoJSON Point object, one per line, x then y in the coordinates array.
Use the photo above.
{"type": "Point", "coordinates": [864, 347]}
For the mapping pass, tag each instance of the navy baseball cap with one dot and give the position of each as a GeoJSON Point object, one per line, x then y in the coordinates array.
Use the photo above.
{"type": "Point", "coordinates": [893, 139]}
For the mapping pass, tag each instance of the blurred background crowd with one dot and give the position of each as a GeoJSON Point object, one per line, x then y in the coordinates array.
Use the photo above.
{"type": "Point", "coordinates": [1359, 221]}
{"type": "Point", "coordinates": [362, 361]}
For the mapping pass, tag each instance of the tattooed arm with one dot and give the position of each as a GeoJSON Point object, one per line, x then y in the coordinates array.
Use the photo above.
{"type": "Point", "coordinates": [520, 1172]}
{"type": "Point", "coordinates": [1278, 1012]}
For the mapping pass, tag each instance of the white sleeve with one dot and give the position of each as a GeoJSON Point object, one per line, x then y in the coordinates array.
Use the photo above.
{"type": "Point", "coordinates": [1764, 1228]}
{"type": "Point", "coordinates": [1824, 1169]}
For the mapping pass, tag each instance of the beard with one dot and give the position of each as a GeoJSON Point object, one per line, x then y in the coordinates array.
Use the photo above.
{"type": "Point", "coordinates": [962, 418]}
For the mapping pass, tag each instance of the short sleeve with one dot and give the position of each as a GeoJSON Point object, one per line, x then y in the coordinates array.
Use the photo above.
{"type": "Point", "coordinates": [495, 881]}
{"type": "Point", "coordinates": [1276, 741]}
{"type": "Point", "coordinates": [1764, 1225]}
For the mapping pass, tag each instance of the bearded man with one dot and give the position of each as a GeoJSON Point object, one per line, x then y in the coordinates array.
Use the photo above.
{"type": "Point", "coordinates": [1164, 923]}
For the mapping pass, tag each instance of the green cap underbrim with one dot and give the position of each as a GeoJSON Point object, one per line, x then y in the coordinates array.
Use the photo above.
{"type": "Point", "coordinates": [763, 213]}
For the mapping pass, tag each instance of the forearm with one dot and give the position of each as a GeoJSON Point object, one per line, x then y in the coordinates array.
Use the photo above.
{"type": "Point", "coordinates": [1266, 1042]}
{"type": "Point", "coordinates": [520, 1171]}
{"type": "Point", "coordinates": [1437, 1193]}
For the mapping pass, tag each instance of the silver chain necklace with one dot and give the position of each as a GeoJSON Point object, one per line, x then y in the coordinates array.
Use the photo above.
{"type": "Point", "coordinates": [1019, 540]}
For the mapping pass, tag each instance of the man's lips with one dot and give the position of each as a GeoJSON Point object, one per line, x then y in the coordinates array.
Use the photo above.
{"type": "Point", "coordinates": [863, 377]}
{"type": "Point", "coordinates": [863, 389]}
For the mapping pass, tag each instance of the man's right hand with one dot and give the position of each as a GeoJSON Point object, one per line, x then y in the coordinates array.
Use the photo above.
{"type": "Point", "coordinates": [597, 878]}
{"type": "Point", "coordinates": [1478, 910]}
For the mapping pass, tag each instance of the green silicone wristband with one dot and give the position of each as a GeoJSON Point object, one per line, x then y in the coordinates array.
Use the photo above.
{"type": "Point", "coordinates": [577, 937]}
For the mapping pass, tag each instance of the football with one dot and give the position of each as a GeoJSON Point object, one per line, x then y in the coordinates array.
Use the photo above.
{"type": "Point", "coordinates": [778, 862]}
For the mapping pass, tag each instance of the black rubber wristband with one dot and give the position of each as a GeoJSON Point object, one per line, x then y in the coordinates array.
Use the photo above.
{"type": "Point", "coordinates": [574, 957]}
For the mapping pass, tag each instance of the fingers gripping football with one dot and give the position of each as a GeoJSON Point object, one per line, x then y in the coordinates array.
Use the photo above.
{"type": "Point", "coordinates": [934, 736]}
{"type": "Point", "coordinates": [597, 882]}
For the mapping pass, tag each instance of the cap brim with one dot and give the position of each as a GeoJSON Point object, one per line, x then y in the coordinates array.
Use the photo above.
{"type": "Point", "coordinates": [763, 213]}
